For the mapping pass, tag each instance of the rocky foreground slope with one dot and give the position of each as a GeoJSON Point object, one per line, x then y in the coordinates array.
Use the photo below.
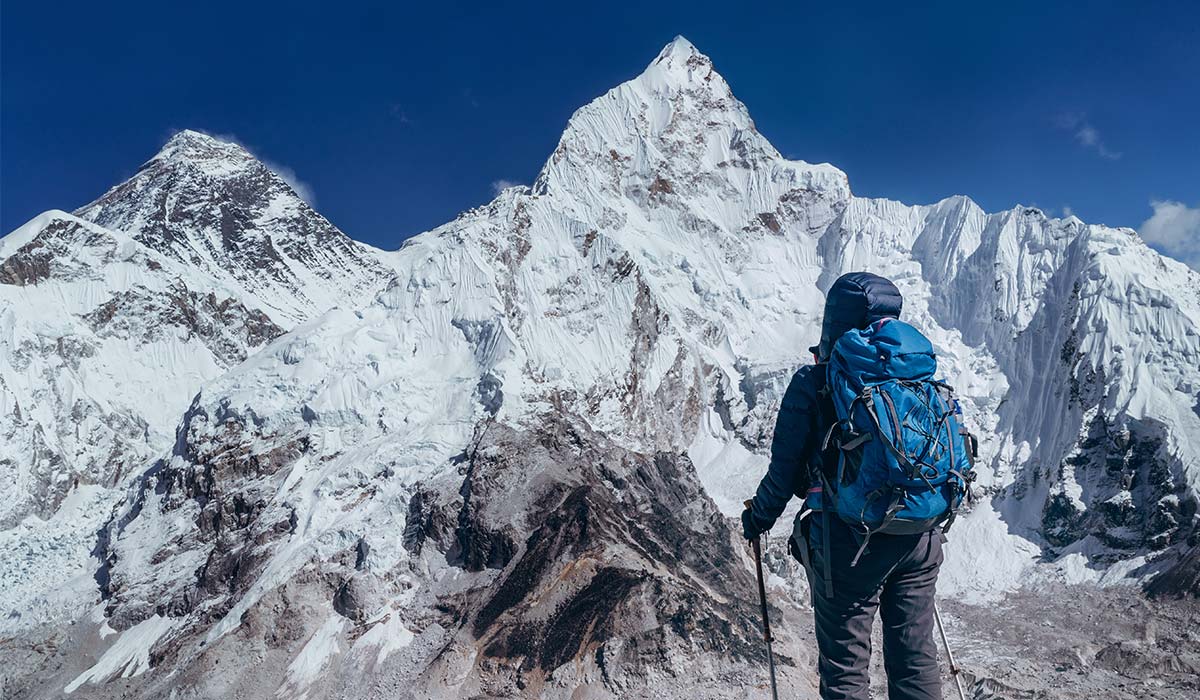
{"type": "Point", "coordinates": [508, 474]}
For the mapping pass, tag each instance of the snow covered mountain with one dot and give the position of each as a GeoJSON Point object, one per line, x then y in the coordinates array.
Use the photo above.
{"type": "Point", "coordinates": [504, 475]}
{"type": "Point", "coordinates": [112, 318]}
{"type": "Point", "coordinates": [210, 205]}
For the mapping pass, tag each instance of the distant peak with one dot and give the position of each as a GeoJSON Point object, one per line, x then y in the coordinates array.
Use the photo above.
{"type": "Point", "coordinates": [199, 139]}
{"type": "Point", "coordinates": [680, 49]}
{"type": "Point", "coordinates": [191, 135]}
{"type": "Point", "coordinates": [191, 161]}
{"type": "Point", "coordinates": [680, 58]}
{"type": "Point", "coordinates": [198, 146]}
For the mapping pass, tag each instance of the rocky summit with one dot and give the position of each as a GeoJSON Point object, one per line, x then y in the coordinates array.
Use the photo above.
{"type": "Point", "coordinates": [250, 457]}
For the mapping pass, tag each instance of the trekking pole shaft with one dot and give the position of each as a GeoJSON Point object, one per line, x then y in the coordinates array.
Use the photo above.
{"type": "Point", "coordinates": [954, 670]}
{"type": "Point", "coordinates": [762, 598]}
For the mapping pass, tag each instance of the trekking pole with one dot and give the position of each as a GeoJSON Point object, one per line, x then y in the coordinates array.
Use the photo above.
{"type": "Point", "coordinates": [954, 669]}
{"type": "Point", "coordinates": [762, 598]}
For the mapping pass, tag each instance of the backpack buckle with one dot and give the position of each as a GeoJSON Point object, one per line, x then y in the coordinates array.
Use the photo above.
{"type": "Point", "coordinates": [858, 440]}
{"type": "Point", "coordinates": [829, 434]}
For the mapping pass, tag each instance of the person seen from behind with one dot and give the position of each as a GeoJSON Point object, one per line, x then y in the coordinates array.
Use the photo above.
{"type": "Point", "coordinates": [873, 444]}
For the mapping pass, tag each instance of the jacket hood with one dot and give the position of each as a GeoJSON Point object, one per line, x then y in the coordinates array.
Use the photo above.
{"type": "Point", "coordinates": [856, 300]}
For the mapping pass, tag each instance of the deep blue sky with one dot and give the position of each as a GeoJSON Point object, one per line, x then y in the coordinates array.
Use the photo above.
{"type": "Point", "coordinates": [401, 116]}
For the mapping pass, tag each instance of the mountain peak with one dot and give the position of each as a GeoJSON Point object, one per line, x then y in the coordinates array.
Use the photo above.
{"type": "Point", "coordinates": [678, 52]}
{"type": "Point", "coordinates": [185, 136]}
{"type": "Point", "coordinates": [208, 203]}
{"type": "Point", "coordinates": [212, 154]}
{"type": "Point", "coordinates": [677, 119]}
{"type": "Point", "coordinates": [680, 63]}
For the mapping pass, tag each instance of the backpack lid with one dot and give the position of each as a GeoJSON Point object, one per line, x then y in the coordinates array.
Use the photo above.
{"type": "Point", "coordinates": [887, 349]}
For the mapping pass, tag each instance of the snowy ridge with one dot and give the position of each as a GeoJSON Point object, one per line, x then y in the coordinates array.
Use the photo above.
{"type": "Point", "coordinates": [108, 330]}
{"type": "Point", "coordinates": [611, 338]}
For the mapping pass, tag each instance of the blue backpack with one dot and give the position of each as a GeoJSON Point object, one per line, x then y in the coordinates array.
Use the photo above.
{"type": "Point", "coordinates": [904, 460]}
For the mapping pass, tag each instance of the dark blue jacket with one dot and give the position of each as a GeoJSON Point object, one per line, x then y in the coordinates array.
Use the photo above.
{"type": "Point", "coordinates": [855, 300]}
{"type": "Point", "coordinates": [794, 448]}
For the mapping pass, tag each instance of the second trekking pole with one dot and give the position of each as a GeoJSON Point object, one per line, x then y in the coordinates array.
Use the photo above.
{"type": "Point", "coordinates": [756, 543]}
{"type": "Point", "coordinates": [954, 669]}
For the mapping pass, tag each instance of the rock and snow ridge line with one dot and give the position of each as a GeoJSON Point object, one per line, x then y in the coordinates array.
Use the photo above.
{"type": "Point", "coordinates": [658, 281]}
{"type": "Point", "coordinates": [108, 331]}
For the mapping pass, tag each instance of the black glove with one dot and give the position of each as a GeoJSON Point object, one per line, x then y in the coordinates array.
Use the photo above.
{"type": "Point", "coordinates": [750, 528]}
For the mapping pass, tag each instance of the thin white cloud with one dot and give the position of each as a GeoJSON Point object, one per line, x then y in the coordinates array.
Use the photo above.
{"type": "Point", "coordinates": [1086, 135]}
{"type": "Point", "coordinates": [1068, 211]}
{"type": "Point", "coordinates": [1174, 229]}
{"type": "Point", "coordinates": [401, 115]}
{"type": "Point", "coordinates": [499, 186]}
{"type": "Point", "coordinates": [302, 189]}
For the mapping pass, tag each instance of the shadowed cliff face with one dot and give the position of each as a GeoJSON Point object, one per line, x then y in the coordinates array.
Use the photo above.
{"type": "Point", "coordinates": [217, 492]}
{"type": "Point", "coordinates": [1134, 482]}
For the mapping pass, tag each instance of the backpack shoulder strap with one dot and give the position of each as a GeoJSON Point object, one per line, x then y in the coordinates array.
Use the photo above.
{"type": "Point", "coordinates": [824, 461]}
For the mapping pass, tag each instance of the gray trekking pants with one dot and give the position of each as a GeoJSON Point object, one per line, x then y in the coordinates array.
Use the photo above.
{"type": "Point", "coordinates": [896, 576]}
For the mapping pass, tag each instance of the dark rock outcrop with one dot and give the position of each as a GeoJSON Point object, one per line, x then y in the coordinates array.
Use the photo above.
{"type": "Point", "coordinates": [607, 557]}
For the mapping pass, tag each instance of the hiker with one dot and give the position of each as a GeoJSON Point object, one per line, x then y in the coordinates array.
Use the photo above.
{"type": "Point", "coordinates": [867, 546]}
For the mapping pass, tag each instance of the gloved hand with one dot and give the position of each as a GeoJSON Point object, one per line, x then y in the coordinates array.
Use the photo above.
{"type": "Point", "coordinates": [750, 527]}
